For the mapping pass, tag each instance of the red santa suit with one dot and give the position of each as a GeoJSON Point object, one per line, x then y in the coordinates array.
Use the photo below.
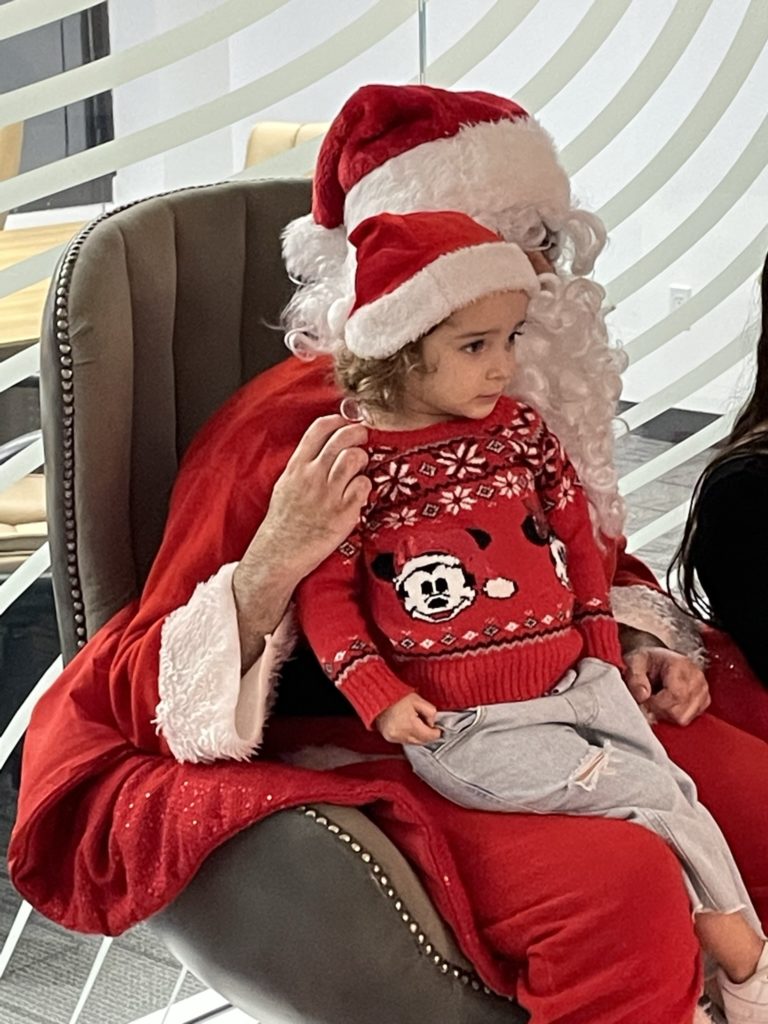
{"type": "Point", "coordinates": [137, 766]}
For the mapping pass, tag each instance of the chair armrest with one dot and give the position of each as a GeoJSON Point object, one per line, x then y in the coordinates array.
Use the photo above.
{"type": "Point", "coordinates": [289, 921]}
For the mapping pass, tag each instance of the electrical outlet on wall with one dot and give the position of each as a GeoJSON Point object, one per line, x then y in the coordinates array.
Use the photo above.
{"type": "Point", "coordinates": [678, 294]}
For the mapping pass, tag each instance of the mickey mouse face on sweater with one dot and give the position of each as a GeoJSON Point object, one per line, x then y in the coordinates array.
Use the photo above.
{"type": "Point", "coordinates": [435, 586]}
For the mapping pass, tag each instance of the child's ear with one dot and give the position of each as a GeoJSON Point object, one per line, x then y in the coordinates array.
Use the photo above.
{"type": "Point", "coordinates": [383, 566]}
{"type": "Point", "coordinates": [480, 537]}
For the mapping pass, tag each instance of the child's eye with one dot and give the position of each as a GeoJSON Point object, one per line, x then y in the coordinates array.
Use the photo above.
{"type": "Point", "coordinates": [474, 346]}
{"type": "Point", "coordinates": [514, 336]}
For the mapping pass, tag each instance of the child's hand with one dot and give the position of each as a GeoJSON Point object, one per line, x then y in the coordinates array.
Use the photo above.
{"type": "Point", "coordinates": [410, 720]}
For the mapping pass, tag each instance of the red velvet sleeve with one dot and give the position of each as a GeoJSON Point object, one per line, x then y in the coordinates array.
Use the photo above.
{"type": "Point", "coordinates": [210, 523]}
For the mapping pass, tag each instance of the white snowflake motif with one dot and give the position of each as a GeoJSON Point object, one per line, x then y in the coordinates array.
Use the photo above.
{"type": "Point", "coordinates": [522, 451]}
{"type": "Point", "coordinates": [402, 517]}
{"type": "Point", "coordinates": [511, 484]}
{"type": "Point", "coordinates": [566, 492]}
{"type": "Point", "coordinates": [553, 456]}
{"type": "Point", "coordinates": [395, 481]}
{"type": "Point", "coordinates": [462, 461]}
{"type": "Point", "coordinates": [524, 421]}
{"type": "Point", "coordinates": [381, 453]}
{"type": "Point", "coordinates": [457, 499]}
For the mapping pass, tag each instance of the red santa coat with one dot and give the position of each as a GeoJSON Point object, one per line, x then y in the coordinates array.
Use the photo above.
{"type": "Point", "coordinates": [110, 826]}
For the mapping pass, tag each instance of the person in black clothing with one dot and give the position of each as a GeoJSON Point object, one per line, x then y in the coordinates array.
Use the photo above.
{"type": "Point", "coordinates": [722, 561]}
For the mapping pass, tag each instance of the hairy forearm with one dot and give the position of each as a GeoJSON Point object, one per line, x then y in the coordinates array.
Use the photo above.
{"type": "Point", "coordinates": [262, 585]}
{"type": "Point", "coordinates": [631, 639]}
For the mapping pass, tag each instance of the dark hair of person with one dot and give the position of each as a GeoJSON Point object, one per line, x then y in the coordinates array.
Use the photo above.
{"type": "Point", "coordinates": [749, 436]}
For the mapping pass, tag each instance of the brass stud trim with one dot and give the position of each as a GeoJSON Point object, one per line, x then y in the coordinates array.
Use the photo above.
{"type": "Point", "coordinates": [445, 967]}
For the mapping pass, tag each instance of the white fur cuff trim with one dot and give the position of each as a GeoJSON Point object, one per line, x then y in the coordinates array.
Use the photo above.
{"type": "Point", "coordinates": [206, 711]}
{"type": "Point", "coordinates": [652, 612]}
{"type": "Point", "coordinates": [450, 282]}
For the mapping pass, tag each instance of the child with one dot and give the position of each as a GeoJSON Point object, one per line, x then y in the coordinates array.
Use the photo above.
{"type": "Point", "coordinates": [473, 586]}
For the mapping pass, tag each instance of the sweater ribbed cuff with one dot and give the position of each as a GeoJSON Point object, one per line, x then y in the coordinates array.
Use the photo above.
{"type": "Point", "coordinates": [371, 687]}
{"type": "Point", "coordinates": [601, 638]}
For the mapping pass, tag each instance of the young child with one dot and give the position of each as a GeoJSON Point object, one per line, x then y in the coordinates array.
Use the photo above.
{"type": "Point", "coordinates": [467, 617]}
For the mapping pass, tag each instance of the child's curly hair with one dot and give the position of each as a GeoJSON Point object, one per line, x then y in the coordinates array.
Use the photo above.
{"type": "Point", "coordinates": [379, 383]}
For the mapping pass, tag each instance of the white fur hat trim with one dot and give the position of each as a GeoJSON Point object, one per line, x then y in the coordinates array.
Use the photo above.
{"type": "Point", "coordinates": [452, 281]}
{"type": "Point", "coordinates": [482, 171]}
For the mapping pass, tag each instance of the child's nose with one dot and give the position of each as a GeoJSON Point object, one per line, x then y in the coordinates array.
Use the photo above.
{"type": "Point", "coordinates": [499, 370]}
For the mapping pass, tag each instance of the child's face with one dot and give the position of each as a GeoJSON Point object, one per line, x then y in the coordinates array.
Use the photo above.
{"type": "Point", "coordinates": [469, 360]}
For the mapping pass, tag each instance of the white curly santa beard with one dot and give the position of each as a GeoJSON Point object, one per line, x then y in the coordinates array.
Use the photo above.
{"type": "Point", "coordinates": [567, 370]}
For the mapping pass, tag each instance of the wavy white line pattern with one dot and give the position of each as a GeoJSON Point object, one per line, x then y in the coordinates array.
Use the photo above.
{"type": "Point", "coordinates": [659, 109]}
{"type": "Point", "coordinates": [544, 57]}
{"type": "Point", "coordinates": [557, 62]}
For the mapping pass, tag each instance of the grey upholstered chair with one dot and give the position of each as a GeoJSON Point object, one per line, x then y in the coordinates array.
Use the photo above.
{"type": "Point", "coordinates": [311, 915]}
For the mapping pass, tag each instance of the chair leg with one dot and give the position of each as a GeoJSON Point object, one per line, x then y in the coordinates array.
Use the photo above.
{"type": "Point", "coordinates": [18, 926]}
{"type": "Point", "coordinates": [93, 974]}
{"type": "Point", "coordinates": [174, 994]}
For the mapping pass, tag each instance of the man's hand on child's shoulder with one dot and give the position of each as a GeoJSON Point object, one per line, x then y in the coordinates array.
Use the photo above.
{"type": "Point", "coordinates": [410, 720]}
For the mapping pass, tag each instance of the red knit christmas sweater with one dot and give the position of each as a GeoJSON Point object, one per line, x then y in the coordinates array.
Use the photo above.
{"type": "Point", "coordinates": [473, 577]}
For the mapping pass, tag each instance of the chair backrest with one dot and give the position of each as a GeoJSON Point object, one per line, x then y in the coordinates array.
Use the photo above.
{"type": "Point", "coordinates": [158, 313]}
{"type": "Point", "coordinates": [268, 138]}
{"type": "Point", "coordinates": [11, 138]}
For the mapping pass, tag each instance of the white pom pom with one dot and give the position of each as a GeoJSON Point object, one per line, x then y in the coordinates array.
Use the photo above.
{"type": "Point", "coordinates": [312, 252]}
{"type": "Point", "coordinates": [500, 587]}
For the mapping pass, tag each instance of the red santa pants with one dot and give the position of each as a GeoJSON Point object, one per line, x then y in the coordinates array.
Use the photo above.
{"type": "Point", "coordinates": [738, 696]}
{"type": "Point", "coordinates": [593, 913]}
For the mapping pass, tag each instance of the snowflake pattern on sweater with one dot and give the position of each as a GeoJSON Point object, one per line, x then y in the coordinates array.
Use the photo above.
{"type": "Point", "coordinates": [473, 577]}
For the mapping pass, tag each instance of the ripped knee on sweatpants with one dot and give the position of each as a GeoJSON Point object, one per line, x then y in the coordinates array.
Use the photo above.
{"type": "Point", "coordinates": [594, 763]}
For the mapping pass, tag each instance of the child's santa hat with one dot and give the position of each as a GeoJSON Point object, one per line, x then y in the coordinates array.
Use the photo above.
{"type": "Point", "coordinates": [402, 148]}
{"type": "Point", "coordinates": [415, 269]}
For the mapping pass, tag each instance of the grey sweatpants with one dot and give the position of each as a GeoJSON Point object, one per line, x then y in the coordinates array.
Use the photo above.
{"type": "Point", "coordinates": [585, 748]}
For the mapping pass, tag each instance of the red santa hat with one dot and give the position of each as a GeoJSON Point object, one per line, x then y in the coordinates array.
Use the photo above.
{"type": "Point", "coordinates": [415, 269]}
{"type": "Point", "coordinates": [403, 148]}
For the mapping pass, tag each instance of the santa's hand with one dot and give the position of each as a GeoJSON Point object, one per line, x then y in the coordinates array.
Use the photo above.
{"type": "Point", "coordinates": [316, 503]}
{"type": "Point", "coordinates": [668, 685]}
{"type": "Point", "coordinates": [410, 720]}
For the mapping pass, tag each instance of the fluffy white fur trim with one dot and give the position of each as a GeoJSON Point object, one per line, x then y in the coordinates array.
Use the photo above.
{"type": "Point", "coordinates": [646, 609]}
{"type": "Point", "coordinates": [312, 252]}
{"type": "Point", "coordinates": [450, 282]}
{"type": "Point", "coordinates": [206, 710]}
{"type": "Point", "coordinates": [482, 170]}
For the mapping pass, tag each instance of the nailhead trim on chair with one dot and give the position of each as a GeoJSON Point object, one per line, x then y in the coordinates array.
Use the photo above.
{"type": "Point", "coordinates": [424, 946]}
{"type": "Point", "coordinates": [66, 382]}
